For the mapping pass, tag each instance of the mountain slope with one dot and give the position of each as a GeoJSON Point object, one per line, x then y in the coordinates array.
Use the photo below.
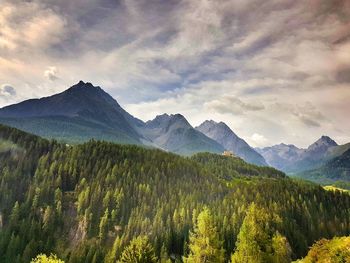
{"type": "Point", "coordinates": [75, 115]}
{"type": "Point", "coordinates": [234, 167]}
{"type": "Point", "coordinates": [280, 156]}
{"type": "Point", "coordinates": [175, 134]}
{"type": "Point", "coordinates": [86, 202]}
{"type": "Point", "coordinates": [291, 159]}
{"type": "Point", "coordinates": [84, 111]}
{"type": "Point", "coordinates": [222, 134]}
{"type": "Point", "coordinates": [315, 154]}
{"type": "Point", "coordinates": [337, 169]}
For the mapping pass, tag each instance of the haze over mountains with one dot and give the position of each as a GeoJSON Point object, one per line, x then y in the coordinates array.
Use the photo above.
{"type": "Point", "coordinates": [292, 159]}
{"type": "Point", "coordinates": [84, 111]}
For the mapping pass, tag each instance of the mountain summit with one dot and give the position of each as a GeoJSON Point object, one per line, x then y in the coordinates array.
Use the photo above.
{"type": "Point", "coordinates": [291, 159]}
{"type": "Point", "coordinates": [222, 134]}
{"type": "Point", "coordinates": [81, 112]}
{"type": "Point", "coordinates": [85, 111]}
{"type": "Point", "coordinates": [322, 144]}
{"type": "Point", "coordinates": [174, 133]}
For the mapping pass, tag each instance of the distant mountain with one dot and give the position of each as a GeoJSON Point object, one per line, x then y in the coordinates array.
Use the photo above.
{"type": "Point", "coordinates": [315, 155]}
{"type": "Point", "coordinates": [280, 156]}
{"type": "Point", "coordinates": [337, 169]}
{"type": "Point", "coordinates": [222, 134]}
{"type": "Point", "coordinates": [175, 134]}
{"type": "Point", "coordinates": [291, 159]}
{"type": "Point", "coordinates": [75, 115]}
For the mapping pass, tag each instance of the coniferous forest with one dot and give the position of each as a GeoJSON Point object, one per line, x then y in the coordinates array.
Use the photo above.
{"type": "Point", "coordinates": [104, 202]}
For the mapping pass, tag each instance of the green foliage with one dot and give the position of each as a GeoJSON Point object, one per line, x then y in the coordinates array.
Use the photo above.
{"type": "Point", "coordinates": [281, 250]}
{"type": "Point", "coordinates": [46, 259]}
{"type": "Point", "coordinates": [87, 202]}
{"type": "Point", "coordinates": [138, 251]}
{"type": "Point", "coordinates": [205, 246]}
{"type": "Point", "coordinates": [233, 167]}
{"type": "Point", "coordinates": [342, 185]}
{"type": "Point", "coordinates": [77, 130]}
{"type": "Point", "coordinates": [334, 170]}
{"type": "Point", "coordinates": [336, 250]}
{"type": "Point", "coordinates": [256, 243]}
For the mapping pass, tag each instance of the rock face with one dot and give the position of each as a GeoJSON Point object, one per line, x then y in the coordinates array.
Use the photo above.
{"type": "Point", "coordinates": [222, 134]}
{"type": "Point", "coordinates": [175, 134]}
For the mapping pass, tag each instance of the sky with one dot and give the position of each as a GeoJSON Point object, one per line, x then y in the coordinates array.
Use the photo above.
{"type": "Point", "coordinates": [273, 70]}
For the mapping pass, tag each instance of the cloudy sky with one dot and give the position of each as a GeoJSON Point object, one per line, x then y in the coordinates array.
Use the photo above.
{"type": "Point", "coordinates": [274, 71]}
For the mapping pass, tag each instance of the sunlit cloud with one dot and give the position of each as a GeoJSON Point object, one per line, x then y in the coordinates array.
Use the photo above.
{"type": "Point", "coordinates": [51, 73]}
{"type": "Point", "coordinates": [279, 69]}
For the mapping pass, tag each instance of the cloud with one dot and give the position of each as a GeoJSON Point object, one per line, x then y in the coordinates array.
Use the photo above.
{"type": "Point", "coordinates": [259, 140]}
{"type": "Point", "coordinates": [254, 68]}
{"type": "Point", "coordinates": [309, 115]}
{"type": "Point", "coordinates": [7, 90]}
{"type": "Point", "coordinates": [51, 73]}
{"type": "Point", "coordinates": [309, 122]}
{"type": "Point", "coordinates": [29, 27]}
{"type": "Point", "coordinates": [230, 104]}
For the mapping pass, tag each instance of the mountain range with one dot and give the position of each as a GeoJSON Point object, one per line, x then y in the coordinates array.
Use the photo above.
{"type": "Point", "coordinates": [85, 111]}
{"type": "Point", "coordinates": [334, 170]}
{"type": "Point", "coordinates": [317, 157]}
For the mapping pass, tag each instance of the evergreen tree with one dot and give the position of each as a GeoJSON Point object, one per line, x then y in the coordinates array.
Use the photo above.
{"type": "Point", "coordinates": [92, 193]}
{"type": "Point", "coordinates": [112, 256]}
{"type": "Point", "coordinates": [204, 244]}
{"type": "Point", "coordinates": [256, 241]}
{"type": "Point", "coordinates": [138, 251]}
{"type": "Point", "coordinates": [104, 225]}
{"type": "Point", "coordinates": [46, 259]}
{"type": "Point", "coordinates": [281, 249]}
{"type": "Point", "coordinates": [253, 240]}
{"type": "Point", "coordinates": [336, 250]}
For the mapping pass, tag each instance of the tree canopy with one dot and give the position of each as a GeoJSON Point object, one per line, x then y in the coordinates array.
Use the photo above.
{"type": "Point", "coordinates": [86, 203]}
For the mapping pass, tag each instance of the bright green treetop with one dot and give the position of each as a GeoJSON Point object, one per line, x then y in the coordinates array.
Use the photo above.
{"type": "Point", "coordinates": [334, 250]}
{"type": "Point", "coordinates": [139, 251]}
{"type": "Point", "coordinates": [205, 245]}
{"type": "Point", "coordinates": [256, 242]}
{"type": "Point", "coordinates": [42, 258]}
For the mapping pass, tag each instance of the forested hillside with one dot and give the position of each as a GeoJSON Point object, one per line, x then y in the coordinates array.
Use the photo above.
{"type": "Point", "coordinates": [335, 170]}
{"type": "Point", "coordinates": [103, 202]}
{"type": "Point", "coordinates": [324, 251]}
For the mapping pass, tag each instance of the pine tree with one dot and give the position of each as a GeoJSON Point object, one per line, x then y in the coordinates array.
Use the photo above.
{"type": "Point", "coordinates": [281, 249]}
{"type": "Point", "coordinates": [114, 251]}
{"type": "Point", "coordinates": [14, 217]}
{"type": "Point", "coordinates": [252, 238]}
{"type": "Point", "coordinates": [104, 225]}
{"type": "Point", "coordinates": [138, 251]}
{"type": "Point", "coordinates": [46, 259]}
{"type": "Point", "coordinates": [204, 243]}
